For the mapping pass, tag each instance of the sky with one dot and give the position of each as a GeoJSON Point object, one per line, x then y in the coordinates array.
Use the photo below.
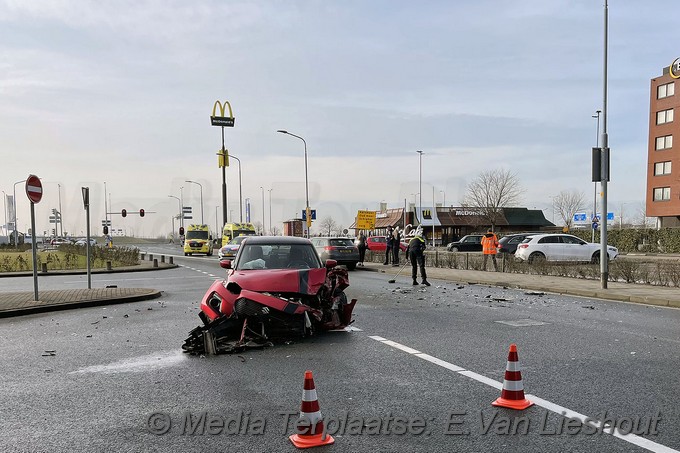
{"type": "Point", "coordinates": [121, 92]}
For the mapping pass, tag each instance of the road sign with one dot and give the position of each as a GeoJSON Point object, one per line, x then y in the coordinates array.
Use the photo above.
{"type": "Point", "coordinates": [366, 220]}
{"type": "Point", "coordinates": [304, 214]}
{"type": "Point", "coordinates": [580, 217]}
{"type": "Point", "coordinates": [595, 225]}
{"type": "Point", "coordinates": [33, 188]}
{"type": "Point", "coordinates": [106, 223]}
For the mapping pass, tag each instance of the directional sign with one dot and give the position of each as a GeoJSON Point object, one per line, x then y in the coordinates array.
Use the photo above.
{"type": "Point", "coordinates": [304, 214]}
{"type": "Point", "coordinates": [580, 217]}
{"type": "Point", "coordinates": [366, 220]}
{"type": "Point", "coordinates": [33, 188]}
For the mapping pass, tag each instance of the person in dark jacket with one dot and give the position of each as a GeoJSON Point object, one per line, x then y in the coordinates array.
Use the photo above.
{"type": "Point", "coordinates": [388, 245]}
{"type": "Point", "coordinates": [416, 247]}
{"type": "Point", "coordinates": [362, 248]}
{"type": "Point", "coordinates": [396, 243]}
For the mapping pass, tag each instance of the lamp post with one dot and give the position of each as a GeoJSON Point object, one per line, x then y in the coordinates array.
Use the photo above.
{"type": "Point", "coordinates": [199, 185]}
{"type": "Point", "coordinates": [444, 199]}
{"type": "Point", "coordinates": [179, 216]}
{"type": "Point", "coordinates": [4, 203]}
{"type": "Point", "coordinates": [263, 216]}
{"type": "Point", "coordinates": [270, 211]}
{"type": "Point", "coordinates": [420, 179]}
{"type": "Point", "coordinates": [597, 144]}
{"type": "Point", "coordinates": [240, 194]}
{"type": "Point", "coordinates": [307, 210]}
{"type": "Point", "coordinates": [604, 257]}
{"type": "Point", "coordinates": [217, 226]}
{"type": "Point", "coordinates": [14, 209]}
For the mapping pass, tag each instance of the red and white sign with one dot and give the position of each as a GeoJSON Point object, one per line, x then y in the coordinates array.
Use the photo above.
{"type": "Point", "coordinates": [34, 188]}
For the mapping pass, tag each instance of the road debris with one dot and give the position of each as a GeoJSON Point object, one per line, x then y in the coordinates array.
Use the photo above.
{"type": "Point", "coordinates": [49, 353]}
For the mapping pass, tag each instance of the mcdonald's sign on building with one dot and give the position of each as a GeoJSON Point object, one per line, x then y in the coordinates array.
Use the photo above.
{"type": "Point", "coordinates": [222, 120]}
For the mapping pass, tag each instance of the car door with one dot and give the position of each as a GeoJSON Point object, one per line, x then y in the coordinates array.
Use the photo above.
{"type": "Point", "coordinates": [471, 244]}
{"type": "Point", "coordinates": [552, 248]}
{"type": "Point", "coordinates": [575, 249]}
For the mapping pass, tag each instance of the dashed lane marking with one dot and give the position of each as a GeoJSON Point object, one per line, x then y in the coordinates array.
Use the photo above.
{"type": "Point", "coordinates": [556, 408]}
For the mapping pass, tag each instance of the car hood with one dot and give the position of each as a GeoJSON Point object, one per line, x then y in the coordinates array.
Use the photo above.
{"type": "Point", "coordinates": [304, 281]}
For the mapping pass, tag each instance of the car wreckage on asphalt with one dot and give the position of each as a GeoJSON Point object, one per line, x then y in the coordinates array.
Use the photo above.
{"type": "Point", "coordinates": [276, 289]}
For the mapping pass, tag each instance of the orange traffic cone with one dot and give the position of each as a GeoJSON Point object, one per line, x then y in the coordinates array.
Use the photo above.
{"type": "Point", "coordinates": [512, 395]}
{"type": "Point", "coordinates": [309, 410]}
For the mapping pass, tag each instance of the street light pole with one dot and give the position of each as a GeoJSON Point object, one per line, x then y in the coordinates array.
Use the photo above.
{"type": "Point", "coordinates": [217, 228]}
{"type": "Point", "coordinates": [14, 208]}
{"type": "Point", "coordinates": [4, 203]}
{"type": "Point", "coordinates": [263, 216]}
{"type": "Point", "coordinates": [240, 194]}
{"type": "Point", "coordinates": [199, 185]}
{"type": "Point", "coordinates": [270, 211]}
{"type": "Point", "coordinates": [179, 216]}
{"type": "Point", "coordinates": [420, 179]}
{"type": "Point", "coordinates": [604, 256]}
{"type": "Point", "coordinates": [597, 144]}
{"type": "Point", "coordinates": [181, 211]}
{"type": "Point", "coordinates": [307, 210]}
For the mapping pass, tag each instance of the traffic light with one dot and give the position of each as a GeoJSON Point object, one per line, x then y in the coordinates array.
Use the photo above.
{"type": "Point", "coordinates": [181, 231]}
{"type": "Point", "coordinates": [124, 213]}
{"type": "Point", "coordinates": [54, 232]}
{"type": "Point", "coordinates": [106, 230]}
{"type": "Point", "coordinates": [141, 212]}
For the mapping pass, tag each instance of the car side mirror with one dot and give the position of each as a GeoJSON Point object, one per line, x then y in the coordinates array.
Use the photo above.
{"type": "Point", "coordinates": [226, 264]}
{"type": "Point", "coordinates": [331, 263]}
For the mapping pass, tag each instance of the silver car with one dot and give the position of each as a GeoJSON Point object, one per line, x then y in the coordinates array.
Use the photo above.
{"type": "Point", "coordinates": [341, 250]}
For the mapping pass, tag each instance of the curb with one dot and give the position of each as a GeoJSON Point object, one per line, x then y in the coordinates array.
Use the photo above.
{"type": "Point", "coordinates": [57, 272]}
{"type": "Point", "coordinates": [151, 294]}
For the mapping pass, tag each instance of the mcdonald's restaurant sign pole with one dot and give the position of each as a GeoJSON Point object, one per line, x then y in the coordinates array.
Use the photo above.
{"type": "Point", "coordinates": [223, 159]}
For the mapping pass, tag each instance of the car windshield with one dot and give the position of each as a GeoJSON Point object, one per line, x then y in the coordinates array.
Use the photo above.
{"type": "Point", "coordinates": [277, 256]}
{"type": "Point", "coordinates": [197, 235]}
{"type": "Point", "coordinates": [237, 240]}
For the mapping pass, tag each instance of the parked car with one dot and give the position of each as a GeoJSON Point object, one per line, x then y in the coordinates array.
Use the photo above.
{"type": "Point", "coordinates": [83, 242]}
{"type": "Point", "coordinates": [229, 251]}
{"type": "Point", "coordinates": [561, 247]}
{"type": "Point", "coordinates": [469, 243]}
{"type": "Point", "coordinates": [379, 244]}
{"type": "Point", "coordinates": [60, 241]}
{"type": "Point", "coordinates": [509, 243]}
{"type": "Point", "coordinates": [341, 250]}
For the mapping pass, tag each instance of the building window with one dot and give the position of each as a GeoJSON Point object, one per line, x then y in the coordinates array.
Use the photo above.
{"type": "Point", "coordinates": [663, 91]}
{"type": "Point", "coordinates": [662, 168]}
{"type": "Point", "coordinates": [664, 142]}
{"type": "Point", "coordinates": [662, 193]}
{"type": "Point", "coordinates": [664, 116]}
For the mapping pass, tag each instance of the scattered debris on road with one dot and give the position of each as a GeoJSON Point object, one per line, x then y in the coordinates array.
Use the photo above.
{"type": "Point", "coordinates": [49, 353]}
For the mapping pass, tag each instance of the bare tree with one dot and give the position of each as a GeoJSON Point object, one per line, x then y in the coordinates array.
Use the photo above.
{"type": "Point", "coordinates": [491, 191]}
{"type": "Point", "coordinates": [567, 203]}
{"type": "Point", "coordinates": [258, 227]}
{"type": "Point", "coordinates": [327, 226]}
{"type": "Point", "coordinates": [275, 231]}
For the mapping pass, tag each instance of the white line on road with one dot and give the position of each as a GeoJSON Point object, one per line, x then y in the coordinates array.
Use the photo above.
{"type": "Point", "coordinates": [560, 410]}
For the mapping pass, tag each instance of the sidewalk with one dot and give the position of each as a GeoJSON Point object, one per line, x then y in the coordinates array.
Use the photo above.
{"type": "Point", "coordinates": [625, 292]}
{"type": "Point", "coordinates": [23, 303]}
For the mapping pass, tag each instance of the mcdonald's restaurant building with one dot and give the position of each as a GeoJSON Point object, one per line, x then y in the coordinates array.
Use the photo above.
{"type": "Point", "coordinates": [452, 223]}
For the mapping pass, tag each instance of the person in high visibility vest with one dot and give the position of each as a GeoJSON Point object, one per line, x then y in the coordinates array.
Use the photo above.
{"type": "Point", "coordinates": [490, 247]}
{"type": "Point", "coordinates": [416, 247]}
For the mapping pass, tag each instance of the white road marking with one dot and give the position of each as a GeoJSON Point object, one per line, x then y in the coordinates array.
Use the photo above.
{"type": "Point", "coordinates": [560, 410]}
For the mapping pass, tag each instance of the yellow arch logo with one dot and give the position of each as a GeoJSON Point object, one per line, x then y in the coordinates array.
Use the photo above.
{"type": "Point", "coordinates": [674, 69]}
{"type": "Point", "coordinates": [222, 119]}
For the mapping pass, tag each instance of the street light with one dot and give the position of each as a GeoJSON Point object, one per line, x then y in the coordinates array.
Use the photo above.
{"type": "Point", "coordinates": [270, 211]}
{"type": "Point", "coordinates": [14, 208]}
{"type": "Point", "coordinates": [263, 218]}
{"type": "Point", "coordinates": [420, 161]}
{"type": "Point", "coordinates": [307, 210]}
{"type": "Point", "coordinates": [240, 196]}
{"type": "Point", "coordinates": [597, 144]}
{"type": "Point", "coordinates": [179, 216]}
{"type": "Point", "coordinates": [199, 185]}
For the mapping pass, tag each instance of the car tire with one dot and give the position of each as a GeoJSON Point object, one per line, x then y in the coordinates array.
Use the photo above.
{"type": "Point", "coordinates": [453, 249]}
{"type": "Point", "coordinates": [595, 259]}
{"type": "Point", "coordinates": [536, 257]}
{"type": "Point", "coordinates": [351, 266]}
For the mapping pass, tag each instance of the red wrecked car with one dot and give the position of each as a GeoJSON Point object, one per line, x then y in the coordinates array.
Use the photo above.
{"type": "Point", "coordinates": [276, 288]}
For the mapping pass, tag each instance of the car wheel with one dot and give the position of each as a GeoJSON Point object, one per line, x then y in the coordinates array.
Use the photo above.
{"type": "Point", "coordinates": [351, 266]}
{"type": "Point", "coordinates": [595, 259]}
{"type": "Point", "coordinates": [186, 254]}
{"type": "Point", "coordinates": [536, 257]}
{"type": "Point", "coordinates": [454, 249]}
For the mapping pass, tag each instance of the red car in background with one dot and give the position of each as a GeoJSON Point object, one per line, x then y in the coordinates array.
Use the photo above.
{"type": "Point", "coordinates": [379, 244]}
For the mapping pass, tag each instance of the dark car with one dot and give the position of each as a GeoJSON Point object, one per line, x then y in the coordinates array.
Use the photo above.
{"type": "Point", "coordinates": [469, 243]}
{"type": "Point", "coordinates": [341, 250]}
{"type": "Point", "coordinates": [509, 243]}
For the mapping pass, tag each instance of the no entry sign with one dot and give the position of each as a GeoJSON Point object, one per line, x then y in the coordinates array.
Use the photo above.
{"type": "Point", "coordinates": [33, 188]}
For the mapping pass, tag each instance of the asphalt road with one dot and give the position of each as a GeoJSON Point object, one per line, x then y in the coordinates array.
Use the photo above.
{"type": "Point", "coordinates": [422, 354]}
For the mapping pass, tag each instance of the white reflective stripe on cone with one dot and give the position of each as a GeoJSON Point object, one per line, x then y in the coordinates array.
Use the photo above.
{"type": "Point", "coordinates": [512, 366]}
{"type": "Point", "coordinates": [513, 385]}
{"type": "Point", "coordinates": [309, 395]}
{"type": "Point", "coordinates": [312, 417]}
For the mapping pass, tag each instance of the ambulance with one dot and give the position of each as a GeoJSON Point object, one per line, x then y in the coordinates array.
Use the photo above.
{"type": "Point", "coordinates": [198, 239]}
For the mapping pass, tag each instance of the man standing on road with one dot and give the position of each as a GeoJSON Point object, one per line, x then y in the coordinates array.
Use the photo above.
{"type": "Point", "coordinates": [396, 243]}
{"type": "Point", "coordinates": [362, 248]}
{"type": "Point", "coordinates": [416, 247]}
{"type": "Point", "coordinates": [388, 245]}
{"type": "Point", "coordinates": [490, 247]}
